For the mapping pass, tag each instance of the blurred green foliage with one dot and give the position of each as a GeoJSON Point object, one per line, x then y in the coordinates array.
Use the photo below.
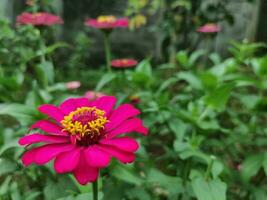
{"type": "Point", "coordinates": [206, 115]}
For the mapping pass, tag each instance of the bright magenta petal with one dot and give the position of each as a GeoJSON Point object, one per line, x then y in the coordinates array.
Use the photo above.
{"type": "Point", "coordinates": [43, 154]}
{"type": "Point", "coordinates": [51, 111]}
{"type": "Point", "coordinates": [72, 104]}
{"type": "Point", "coordinates": [85, 173]}
{"type": "Point", "coordinates": [48, 127]}
{"type": "Point", "coordinates": [95, 157]}
{"type": "Point", "coordinates": [67, 161]}
{"type": "Point", "coordinates": [124, 143]}
{"type": "Point", "coordinates": [105, 103]}
{"type": "Point", "coordinates": [37, 137]}
{"type": "Point", "coordinates": [121, 114]}
{"type": "Point", "coordinates": [124, 157]}
{"type": "Point", "coordinates": [130, 125]}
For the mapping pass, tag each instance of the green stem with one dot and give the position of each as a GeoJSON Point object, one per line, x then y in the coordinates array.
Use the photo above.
{"type": "Point", "coordinates": [95, 190]}
{"type": "Point", "coordinates": [107, 51]}
{"type": "Point", "coordinates": [208, 171]}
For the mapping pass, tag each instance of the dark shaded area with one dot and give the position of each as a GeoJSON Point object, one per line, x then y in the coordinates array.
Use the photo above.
{"type": "Point", "coordinates": [261, 34]}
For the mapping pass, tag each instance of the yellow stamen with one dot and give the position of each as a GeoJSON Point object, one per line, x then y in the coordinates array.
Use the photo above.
{"type": "Point", "coordinates": [92, 126]}
{"type": "Point", "coordinates": [106, 19]}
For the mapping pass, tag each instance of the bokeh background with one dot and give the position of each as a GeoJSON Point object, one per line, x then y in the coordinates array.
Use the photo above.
{"type": "Point", "coordinates": [202, 95]}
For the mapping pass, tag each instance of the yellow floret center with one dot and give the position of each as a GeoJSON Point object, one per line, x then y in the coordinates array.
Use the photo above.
{"type": "Point", "coordinates": [106, 19]}
{"type": "Point", "coordinates": [85, 122]}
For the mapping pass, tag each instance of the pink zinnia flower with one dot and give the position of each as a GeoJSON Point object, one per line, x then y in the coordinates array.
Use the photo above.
{"type": "Point", "coordinates": [92, 95]}
{"type": "Point", "coordinates": [209, 28]}
{"type": "Point", "coordinates": [72, 85]}
{"type": "Point", "coordinates": [123, 63]}
{"type": "Point", "coordinates": [107, 22]}
{"type": "Point", "coordinates": [82, 136]}
{"type": "Point", "coordinates": [38, 19]}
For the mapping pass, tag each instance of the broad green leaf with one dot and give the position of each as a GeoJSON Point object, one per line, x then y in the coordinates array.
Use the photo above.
{"type": "Point", "coordinates": [170, 183]}
{"type": "Point", "coordinates": [251, 166]}
{"type": "Point", "coordinates": [209, 190]}
{"type": "Point", "coordinates": [218, 98]}
{"type": "Point", "coordinates": [6, 166]}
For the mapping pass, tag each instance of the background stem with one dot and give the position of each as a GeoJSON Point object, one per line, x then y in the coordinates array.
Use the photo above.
{"type": "Point", "coordinates": [107, 51]}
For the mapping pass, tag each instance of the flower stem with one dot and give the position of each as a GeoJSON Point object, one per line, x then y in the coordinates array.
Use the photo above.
{"type": "Point", "coordinates": [107, 51]}
{"type": "Point", "coordinates": [95, 190]}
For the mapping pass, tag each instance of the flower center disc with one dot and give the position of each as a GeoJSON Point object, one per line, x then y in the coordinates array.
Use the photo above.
{"type": "Point", "coordinates": [85, 125]}
{"type": "Point", "coordinates": [106, 19]}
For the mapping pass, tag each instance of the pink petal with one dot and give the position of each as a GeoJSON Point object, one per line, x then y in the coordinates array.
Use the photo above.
{"type": "Point", "coordinates": [123, 143]}
{"type": "Point", "coordinates": [85, 173]}
{"type": "Point", "coordinates": [95, 157]}
{"type": "Point", "coordinates": [48, 127]}
{"type": "Point", "coordinates": [37, 137]}
{"type": "Point", "coordinates": [119, 115]}
{"type": "Point", "coordinates": [28, 157]}
{"type": "Point", "coordinates": [72, 104]}
{"type": "Point", "coordinates": [51, 111]}
{"type": "Point", "coordinates": [124, 157]}
{"type": "Point", "coordinates": [44, 154]}
{"type": "Point", "coordinates": [105, 103]}
{"type": "Point", "coordinates": [67, 161]}
{"type": "Point", "coordinates": [131, 125]}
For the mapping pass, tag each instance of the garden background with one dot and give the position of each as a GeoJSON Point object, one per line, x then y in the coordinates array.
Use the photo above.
{"type": "Point", "coordinates": [201, 93]}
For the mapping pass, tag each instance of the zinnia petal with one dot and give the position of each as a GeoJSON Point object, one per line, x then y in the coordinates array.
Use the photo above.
{"type": "Point", "coordinates": [85, 173]}
{"type": "Point", "coordinates": [67, 161]}
{"type": "Point", "coordinates": [124, 143]}
{"type": "Point", "coordinates": [123, 156]}
{"type": "Point", "coordinates": [105, 103]}
{"type": "Point", "coordinates": [43, 154]}
{"type": "Point", "coordinates": [48, 127]}
{"type": "Point", "coordinates": [121, 114]}
{"type": "Point", "coordinates": [51, 111]}
{"type": "Point", "coordinates": [37, 137]}
{"type": "Point", "coordinates": [72, 104]}
{"type": "Point", "coordinates": [95, 157]}
{"type": "Point", "coordinates": [131, 125]}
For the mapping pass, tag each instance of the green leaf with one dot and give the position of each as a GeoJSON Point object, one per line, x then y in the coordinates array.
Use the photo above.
{"type": "Point", "coordinates": [218, 98]}
{"type": "Point", "coordinates": [209, 80]}
{"type": "Point", "coordinates": [251, 166]}
{"type": "Point", "coordinates": [126, 174]}
{"type": "Point", "coordinates": [138, 193]}
{"type": "Point", "coordinates": [170, 183]}
{"type": "Point", "coordinates": [45, 73]}
{"type": "Point", "coordinates": [104, 80]}
{"type": "Point", "coordinates": [166, 84]}
{"type": "Point", "coordinates": [209, 190]}
{"type": "Point", "coordinates": [6, 166]}
{"type": "Point", "coordinates": [191, 79]}
{"type": "Point", "coordinates": [52, 48]}
{"type": "Point", "coordinates": [182, 58]}
{"type": "Point", "coordinates": [24, 114]}
{"type": "Point", "coordinates": [145, 68]}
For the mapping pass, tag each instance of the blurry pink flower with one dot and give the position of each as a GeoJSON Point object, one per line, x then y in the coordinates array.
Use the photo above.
{"type": "Point", "coordinates": [123, 63]}
{"type": "Point", "coordinates": [135, 99]}
{"type": "Point", "coordinates": [209, 28]}
{"type": "Point", "coordinates": [92, 95]}
{"type": "Point", "coordinates": [38, 19]}
{"type": "Point", "coordinates": [82, 136]}
{"type": "Point", "coordinates": [107, 22]}
{"type": "Point", "coordinates": [72, 85]}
